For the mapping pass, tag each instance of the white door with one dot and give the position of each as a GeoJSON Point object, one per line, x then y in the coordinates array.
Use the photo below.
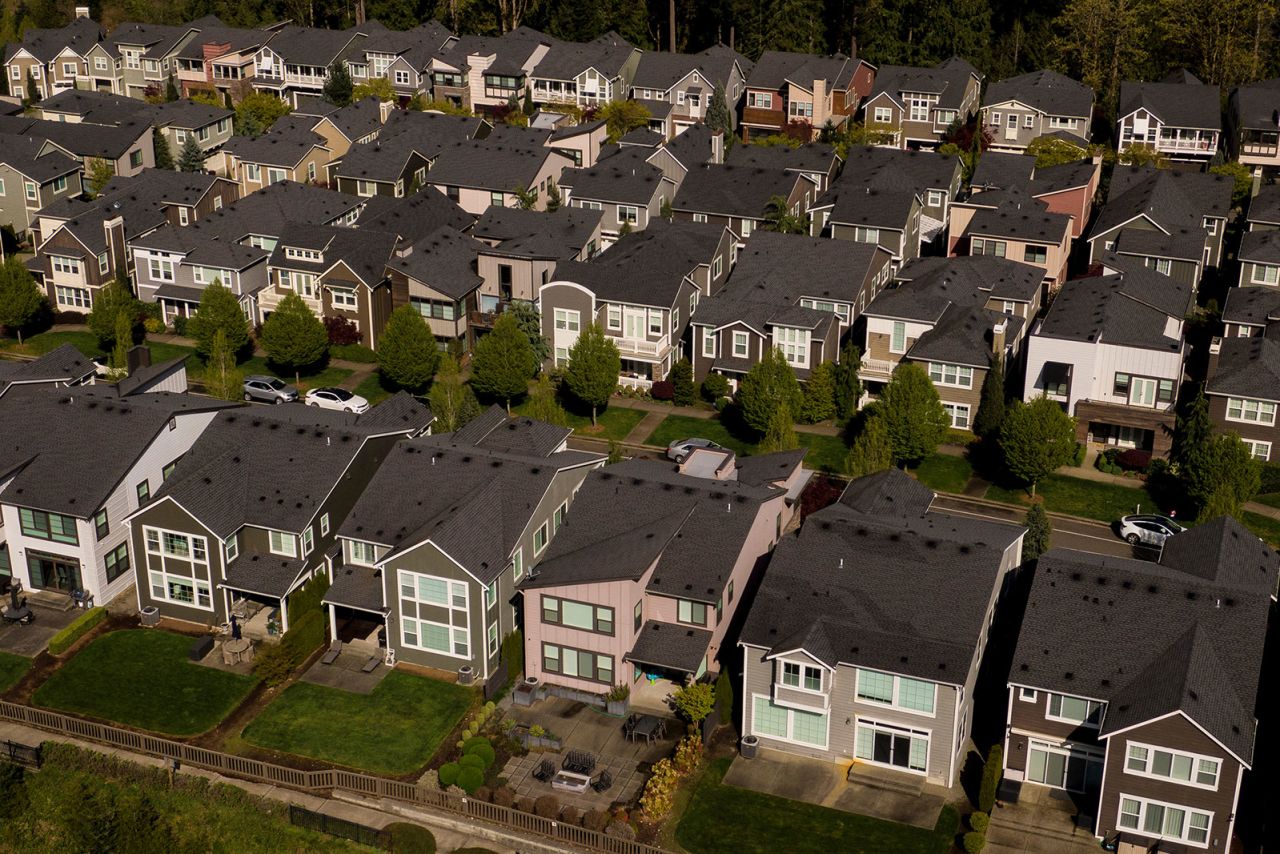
{"type": "Point", "coordinates": [1011, 128]}
{"type": "Point", "coordinates": [635, 323]}
{"type": "Point", "coordinates": [1142, 392]}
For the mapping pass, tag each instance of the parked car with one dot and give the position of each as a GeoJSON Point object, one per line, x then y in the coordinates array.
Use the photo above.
{"type": "Point", "coordinates": [1151, 530]}
{"type": "Point", "coordinates": [336, 398]}
{"type": "Point", "coordinates": [684, 447]}
{"type": "Point", "coordinates": [268, 389]}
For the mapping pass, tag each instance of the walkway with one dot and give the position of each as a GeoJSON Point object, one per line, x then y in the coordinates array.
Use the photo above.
{"type": "Point", "coordinates": [665, 409]}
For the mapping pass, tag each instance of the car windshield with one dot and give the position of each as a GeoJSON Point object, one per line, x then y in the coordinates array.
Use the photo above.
{"type": "Point", "coordinates": [338, 393]}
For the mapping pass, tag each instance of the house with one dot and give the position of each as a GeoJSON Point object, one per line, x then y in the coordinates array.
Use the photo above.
{"type": "Point", "coordinates": [1248, 311]}
{"type": "Point", "coordinates": [916, 107]}
{"type": "Point", "coordinates": [676, 551]}
{"type": "Point", "coordinates": [586, 74]}
{"type": "Point", "coordinates": [1111, 350]}
{"type": "Point", "coordinates": [1019, 110]}
{"type": "Point", "coordinates": [798, 294]}
{"type": "Point", "coordinates": [1188, 212]}
{"type": "Point", "coordinates": [1240, 385]}
{"type": "Point", "coordinates": [296, 61]}
{"type": "Point", "coordinates": [211, 544]}
{"type": "Point", "coordinates": [290, 151]}
{"type": "Point", "coordinates": [523, 249]}
{"type": "Point", "coordinates": [34, 173]}
{"type": "Point", "coordinates": [1264, 209]}
{"type": "Point", "coordinates": [219, 59]}
{"type": "Point", "coordinates": [65, 501]}
{"type": "Point", "coordinates": [1068, 188]}
{"type": "Point", "coordinates": [817, 161]}
{"type": "Point", "coordinates": [581, 143]}
{"type": "Point", "coordinates": [413, 217]}
{"type": "Point", "coordinates": [483, 73]}
{"type": "Point", "coordinates": [629, 190]}
{"type": "Point", "coordinates": [63, 366]}
{"type": "Point", "coordinates": [437, 275]}
{"type": "Point", "coordinates": [865, 638]}
{"type": "Point", "coordinates": [680, 86]}
{"type": "Point", "coordinates": [396, 160]}
{"type": "Point", "coordinates": [953, 317]}
{"type": "Point", "coordinates": [401, 57]}
{"type": "Point", "coordinates": [741, 198]}
{"type": "Point", "coordinates": [125, 148]}
{"type": "Point", "coordinates": [785, 88]}
{"type": "Point", "coordinates": [1253, 130]}
{"type": "Point", "coordinates": [1012, 225]}
{"type": "Point", "coordinates": [1134, 684]}
{"type": "Point", "coordinates": [177, 120]}
{"type": "Point", "coordinates": [1180, 117]}
{"type": "Point", "coordinates": [478, 173]}
{"type": "Point", "coordinates": [436, 545]}
{"type": "Point", "coordinates": [136, 59]}
{"type": "Point", "coordinates": [1259, 257]}
{"type": "Point", "coordinates": [53, 59]}
{"type": "Point", "coordinates": [642, 292]}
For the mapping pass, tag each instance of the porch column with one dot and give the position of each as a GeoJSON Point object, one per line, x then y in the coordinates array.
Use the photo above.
{"type": "Point", "coordinates": [284, 614]}
{"type": "Point", "coordinates": [333, 622]}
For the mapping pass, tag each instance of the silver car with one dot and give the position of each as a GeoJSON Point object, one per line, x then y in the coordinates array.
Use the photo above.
{"type": "Point", "coordinates": [684, 447]}
{"type": "Point", "coordinates": [268, 389]}
{"type": "Point", "coordinates": [1148, 529]}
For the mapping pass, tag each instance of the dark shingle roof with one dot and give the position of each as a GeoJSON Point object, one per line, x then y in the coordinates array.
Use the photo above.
{"type": "Point", "coordinates": [963, 336]}
{"type": "Point", "coordinates": [1187, 103]}
{"type": "Point", "coordinates": [1253, 306]}
{"type": "Point", "coordinates": [487, 165]}
{"type": "Point", "coordinates": [1247, 367]}
{"type": "Point", "coordinates": [891, 492]}
{"type": "Point", "coordinates": [740, 191]}
{"type": "Point", "coordinates": [1263, 246]}
{"type": "Point", "coordinates": [443, 260]}
{"type": "Point", "coordinates": [1025, 221]}
{"type": "Point", "coordinates": [775, 68]}
{"type": "Point", "coordinates": [1107, 308]}
{"type": "Point", "coordinates": [668, 645]}
{"type": "Point", "coordinates": [494, 430]}
{"type": "Point", "coordinates": [561, 235]}
{"type": "Point", "coordinates": [948, 82]}
{"type": "Point", "coordinates": [625, 177]}
{"type": "Point", "coordinates": [661, 70]}
{"type": "Point", "coordinates": [1168, 198]}
{"type": "Point", "coordinates": [1265, 206]}
{"type": "Point", "coordinates": [566, 60]}
{"type": "Point", "coordinates": [1048, 91]}
{"type": "Point", "coordinates": [63, 364]}
{"type": "Point", "coordinates": [357, 587]}
{"type": "Point", "coordinates": [414, 217]}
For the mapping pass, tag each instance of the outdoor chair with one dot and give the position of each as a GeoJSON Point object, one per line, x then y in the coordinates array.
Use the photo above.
{"type": "Point", "coordinates": [579, 762]}
{"type": "Point", "coordinates": [335, 649]}
{"type": "Point", "coordinates": [371, 665]}
{"type": "Point", "coordinates": [545, 771]}
{"type": "Point", "coordinates": [628, 727]}
{"type": "Point", "coordinates": [604, 782]}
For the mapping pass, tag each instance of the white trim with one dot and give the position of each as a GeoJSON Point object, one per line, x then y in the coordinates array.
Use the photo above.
{"type": "Point", "coordinates": [895, 703]}
{"type": "Point", "coordinates": [1195, 758]}
{"type": "Point", "coordinates": [1190, 720]}
{"type": "Point", "coordinates": [799, 686]}
{"type": "Point", "coordinates": [775, 655]}
{"type": "Point", "coordinates": [1186, 820]}
{"type": "Point", "coordinates": [787, 739]}
{"type": "Point", "coordinates": [926, 733]}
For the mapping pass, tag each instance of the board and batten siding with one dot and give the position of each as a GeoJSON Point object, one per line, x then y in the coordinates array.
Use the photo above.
{"type": "Point", "coordinates": [1095, 366]}
{"type": "Point", "coordinates": [169, 516]}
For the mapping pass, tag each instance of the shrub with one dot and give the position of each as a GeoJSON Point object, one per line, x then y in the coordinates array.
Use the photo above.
{"type": "Point", "coordinates": [715, 386]}
{"type": "Point", "coordinates": [153, 325]}
{"type": "Point", "coordinates": [659, 789]}
{"type": "Point", "coordinates": [688, 753]}
{"type": "Point", "coordinates": [571, 815]}
{"type": "Point", "coordinates": [470, 779]}
{"type": "Point", "coordinates": [547, 806]}
{"type": "Point", "coordinates": [484, 793]}
{"type": "Point", "coordinates": [695, 701]}
{"type": "Point", "coordinates": [974, 842]}
{"type": "Point", "coordinates": [411, 838]}
{"type": "Point", "coordinates": [69, 318]}
{"type": "Point", "coordinates": [979, 821]}
{"type": "Point", "coordinates": [663, 390]}
{"type": "Point", "coordinates": [449, 773]}
{"type": "Point", "coordinates": [681, 379]}
{"type": "Point", "coordinates": [595, 820]}
{"type": "Point", "coordinates": [621, 830]}
{"type": "Point", "coordinates": [353, 353]}
{"type": "Point", "coordinates": [504, 796]}
{"type": "Point", "coordinates": [470, 760]}
{"type": "Point", "coordinates": [1077, 459]}
{"type": "Point", "coordinates": [79, 627]}
{"type": "Point", "coordinates": [473, 741]}
{"type": "Point", "coordinates": [1270, 478]}
{"type": "Point", "coordinates": [341, 331]}
{"type": "Point", "coordinates": [180, 325]}
{"type": "Point", "coordinates": [1134, 460]}
{"type": "Point", "coordinates": [991, 774]}
{"type": "Point", "coordinates": [524, 803]}
{"type": "Point", "coordinates": [484, 752]}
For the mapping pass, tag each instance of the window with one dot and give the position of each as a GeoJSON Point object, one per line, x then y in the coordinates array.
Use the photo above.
{"type": "Point", "coordinates": [935, 198]}
{"type": "Point", "coordinates": [691, 612]}
{"type": "Point", "coordinates": [802, 676]}
{"type": "Point", "coordinates": [103, 263]}
{"type": "Point", "coordinates": [982, 246]}
{"type": "Point", "coordinates": [1164, 821]}
{"type": "Point", "coordinates": [343, 298]}
{"type": "Point", "coordinates": [567, 319]}
{"type": "Point", "coordinates": [802, 110]}
{"type": "Point", "coordinates": [748, 226]}
{"type": "Point", "coordinates": [1264, 274]}
{"type": "Point", "coordinates": [446, 633]}
{"type": "Point", "coordinates": [557, 518]}
{"type": "Point", "coordinates": [497, 200]}
{"type": "Point", "coordinates": [628, 213]}
{"type": "Point", "coordinates": [882, 116]}
{"type": "Point", "coordinates": [1028, 121]}
{"type": "Point", "coordinates": [493, 639]}
{"type": "Point", "coordinates": [100, 526]}
{"type": "Point", "coordinates": [402, 78]}
{"type": "Point", "coordinates": [252, 172]}
{"type": "Point", "coordinates": [1258, 450]}
{"type": "Point", "coordinates": [174, 544]}
{"type": "Point", "coordinates": [275, 176]}
{"type": "Point", "coordinates": [699, 217]}
{"type": "Point", "coordinates": [898, 339]}
{"type": "Point", "coordinates": [1035, 254]}
{"type": "Point", "coordinates": [540, 539]}
{"type": "Point", "coordinates": [577, 615]}
{"type": "Point", "coordinates": [614, 317]}
{"type": "Point", "coordinates": [60, 184]}
{"type": "Point", "coordinates": [894, 746]}
{"type": "Point", "coordinates": [99, 63]}
{"type": "Point", "coordinates": [655, 322]}
{"type": "Point", "coordinates": [63, 264]}
{"type": "Point", "coordinates": [958, 413]}
{"type": "Point", "coordinates": [637, 615]}
{"type": "Point", "coordinates": [491, 594]}
{"type": "Point", "coordinates": [774, 721]}
{"type": "Point", "coordinates": [577, 663]}
{"type": "Point", "coordinates": [911, 694]}
{"type": "Point", "coordinates": [144, 492]}
{"type": "Point", "coordinates": [517, 565]}
{"type": "Point", "coordinates": [1251, 411]}
{"type": "Point", "coordinates": [48, 526]}
{"type": "Point", "coordinates": [72, 297]}
{"type": "Point", "coordinates": [116, 562]}
{"type": "Point", "coordinates": [361, 553]}
{"type": "Point", "coordinates": [1211, 226]}
{"type": "Point", "coordinates": [231, 548]}
{"type": "Point", "coordinates": [866, 235]}
{"type": "Point", "coordinates": [33, 194]}
{"type": "Point", "coordinates": [68, 69]}
{"type": "Point", "coordinates": [1064, 766]}
{"type": "Point", "coordinates": [180, 589]}
{"type": "Point", "coordinates": [308, 541]}
{"type": "Point", "coordinates": [161, 269]}
{"type": "Point", "coordinates": [1074, 710]}
{"type": "Point", "coordinates": [709, 343]}
{"type": "Point", "coordinates": [282, 543]}
{"type": "Point", "coordinates": [918, 108]}
{"type": "Point", "coordinates": [135, 159]}
{"type": "Point", "coordinates": [1027, 695]}
{"type": "Point", "coordinates": [794, 344]}
{"type": "Point", "coordinates": [741, 345]}
{"type": "Point", "coordinates": [1145, 760]}
{"type": "Point", "coordinates": [959, 376]}
{"type": "Point", "coordinates": [1163, 266]}
{"type": "Point", "coordinates": [761, 100]}
{"type": "Point", "coordinates": [311, 171]}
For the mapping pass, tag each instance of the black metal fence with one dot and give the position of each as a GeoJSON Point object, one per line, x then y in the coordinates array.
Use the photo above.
{"type": "Point", "coordinates": [21, 754]}
{"type": "Point", "coordinates": [340, 827]}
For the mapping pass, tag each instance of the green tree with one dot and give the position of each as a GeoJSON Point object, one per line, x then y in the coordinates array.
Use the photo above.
{"type": "Point", "coordinates": [795, 25]}
{"type": "Point", "coordinates": [171, 90]}
{"type": "Point", "coordinates": [503, 361]}
{"type": "Point", "coordinates": [871, 450]}
{"type": "Point", "coordinates": [338, 88]}
{"type": "Point", "coordinates": [543, 405]}
{"type": "Point", "coordinates": [1055, 151]}
{"type": "Point", "coordinates": [376, 87]}
{"type": "Point", "coordinates": [1102, 42]}
{"type": "Point", "coordinates": [20, 297]}
{"type": "Point", "coordinates": [554, 197]}
{"type": "Point", "coordinates": [819, 402]}
{"type": "Point", "coordinates": [1036, 439]}
{"type": "Point", "coordinates": [778, 217]}
{"type": "Point", "coordinates": [594, 365]}
{"type": "Point", "coordinates": [992, 771]}
{"type": "Point", "coordinates": [100, 174]}
{"type": "Point", "coordinates": [622, 117]}
{"type": "Point", "coordinates": [1191, 433]}
{"type": "Point", "coordinates": [1242, 180]}
{"type": "Point", "coordinates": [780, 435]}
{"type": "Point", "coordinates": [219, 311]}
{"type": "Point", "coordinates": [293, 336]}
{"type": "Point", "coordinates": [529, 320]}
{"type": "Point", "coordinates": [694, 702]}
{"type": "Point", "coordinates": [453, 403]}
{"type": "Point", "coordinates": [222, 379]}
{"type": "Point", "coordinates": [914, 417]}
{"type": "Point", "coordinates": [407, 351]}
{"type": "Point", "coordinates": [528, 106]}
{"type": "Point", "coordinates": [160, 145]}
{"type": "Point", "coordinates": [848, 391]}
{"type": "Point", "coordinates": [715, 387]}
{"type": "Point", "coordinates": [143, 828]}
{"type": "Point", "coordinates": [718, 119]}
{"type": "Point", "coordinates": [33, 91]}
{"type": "Point", "coordinates": [991, 405]}
{"type": "Point", "coordinates": [191, 157]}
{"type": "Point", "coordinates": [123, 341]}
{"type": "Point", "coordinates": [1221, 476]}
{"type": "Point", "coordinates": [769, 386]}
{"type": "Point", "coordinates": [257, 112]}
{"type": "Point", "coordinates": [1036, 540]}
{"type": "Point", "coordinates": [526, 198]}
{"type": "Point", "coordinates": [681, 379]}
{"type": "Point", "coordinates": [1143, 155]}
{"type": "Point", "coordinates": [107, 306]}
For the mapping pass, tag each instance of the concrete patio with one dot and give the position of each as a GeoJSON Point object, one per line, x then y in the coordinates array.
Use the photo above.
{"type": "Point", "coordinates": [583, 727]}
{"type": "Point", "coordinates": [1043, 819]}
{"type": "Point", "coordinates": [347, 673]}
{"type": "Point", "coordinates": [628, 780]}
{"type": "Point", "coordinates": [32, 639]}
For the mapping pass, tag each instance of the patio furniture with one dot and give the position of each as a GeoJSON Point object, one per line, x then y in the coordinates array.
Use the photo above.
{"type": "Point", "coordinates": [579, 762]}
{"type": "Point", "coordinates": [236, 651]}
{"type": "Point", "coordinates": [371, 665]}
{"type": "Point", "coordinates": [571, 781]}
{"type": "Point", "coordinates": [603, 783]}
{"type": "Point", "coordinates": [629, 724]}
{"type": "Point", "coordinates": [202, 647]}
{"type": "Point", "coordinates": [335, 649]}
{"type": "Point", "coordinates": [649, 727]}
{"type": "Point", "coordinates": [545, 771]}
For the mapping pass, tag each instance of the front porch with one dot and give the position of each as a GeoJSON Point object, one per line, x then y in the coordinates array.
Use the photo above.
{"type": "Point", "coordinates": [1117, 425]}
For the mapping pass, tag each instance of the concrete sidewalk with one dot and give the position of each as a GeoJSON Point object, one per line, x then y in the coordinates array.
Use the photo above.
{"type": "Point", "coordinates": [665, 409]}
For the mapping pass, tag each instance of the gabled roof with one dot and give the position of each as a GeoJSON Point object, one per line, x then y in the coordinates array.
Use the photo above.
{"type": "Point", "coordinates": [364, 251]}
{"type": "Point", "coordinates": [1247, 367]}
{"type": "Point", "coordinates": [1049, 92]}
{"type": "Point", "coordinates": [1179, 101]}
{"type": "Point", "coordinates": [1113, 309]}
{"type": "Point", "coordinates": [561, 235]}
{"type": "Point", "coordinates": [814, 157]}
{"type": "Point", "coordinates": [1252, 306]}
{"type": "Point", "coordinates": [160, 40]}
{"type": "Point", "coordinates": [625, 177]}
{"type": "Point", "coordinates": [1265, 206]}
{"type": "Point", "coordinates": [661, 70]}
{"type": "Point", "coordinates": [964, 335]}
{"type": "Point", "coordinates": [948, 80]}
{"type": "Point", "coordinates": [776, 68]}
{"type": "Point", "coordinates": [488, 165]}
{"type": "Point", "coordinates": [289, 141]}
{"type": "Point", "coordinates": [566, 60]}
{"type": "Point", "coordinates": [414, 217]}
{"type": "Point", "coordinates": [494, 430]}
{"type": "Point", "coordinates": [315, 46]}
{"type": "Point", "coordinates": [891, 492]}
{"type": "Point", "coordinates": [64, 364]}
{"type": "Point", "coordinates": [1170, 199]}
{"type": "Point", "coordinates": [82, 140]}
{"type": "Point", "coordinates": [34, 158]}
{"type": "Point", "coordinates": [1255, 105]}
{"type": "Point", "coordinates": [236, 39]}
{"type": "Point", "coordinates": [739, 191]}
{"type": "Point", "coordinates": [45, 44]}
{"type": "Point", "coordinates": [444, 261]}
{"type": "Point", "coordinates": [1023, 220]}
{"type": "Point", "coordinates": [1260, 246]}
{"type": "Point", "coordinates": [358, 119]}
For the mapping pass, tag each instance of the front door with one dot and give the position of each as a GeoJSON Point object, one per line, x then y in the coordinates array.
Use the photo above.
{"type": "Point", "coordinates": [50, 572]}
{"type": "Point", "coordinates": [1011, 129]}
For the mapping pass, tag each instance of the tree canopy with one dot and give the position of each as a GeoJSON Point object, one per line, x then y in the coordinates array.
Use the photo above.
{"type": "Point", "coordinates": [293, 336]}
{"type": "Point", "coordinates": [871, 450]}
{"type": "Point", "coordinates": [163, 153]}
{"type": "Point", "coordinates": [1036, 439]}
{"type": "Point", "coordinates": [453, 403]}
{"type": "Point", "coordinates": [337, 86]}
{"type": "Point", "coordinates": [622, 117]}
{"type": "Point", "coordinates": [770, 385]}
{"type": "Point", "coordinates": [503, 361]}
{"type": "Point", "coordinates": [108, 304]}
{"type": "Point", "coordinates": [257, 112]}
{"type": "Point", "coordinates": [219, 311]}
{"type": "Point", "coordinates": [594, 365]}
{"type": "Point", "coordinates": [913, 414]}
{"type": "Point", "coordinates": [407, 351]}
{"type": "Point", "coordinates": [20, 297]}
{"type": "Point", "coordinates": [191, 157]}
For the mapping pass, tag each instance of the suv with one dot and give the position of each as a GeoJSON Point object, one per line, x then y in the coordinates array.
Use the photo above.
{"type": "Point", "coordinates": [682, 448]}
{"type": "Point", "coordinates": [268, 390]}
{"type": "Point", "coordinates": [1148, 529]}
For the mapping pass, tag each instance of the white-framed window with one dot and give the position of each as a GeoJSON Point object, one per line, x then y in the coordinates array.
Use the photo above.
{"type": "Point", "coordinates": [180, 589]}
{"type": "Point", "coordinates": [882, 115]}
{"type": "Point", "coordinates": [1028, 121]}
{"type": "Point", "coordinates": [958, 413]}
{"type": "Point", "coordinates": [959, 376]}
{"type": "Point", "coordinates": [33, 193]}
{"type": "Point", "coordinates": [761, 100]}
{"type": "Point", "coordinates": [252, 172]}
{"type": "Point", "coordinates": [517, 565]}
{"type": "Point", "coordinates": [1210, 225]}
{"type": "Point", "coordinates": [918, 108]}
{"type": "Point", "coordinates": [1074, 710]}
{"type": "Point", "coordinates": [613, 316]}
{"type": "Point", "coordinates": [1164, 821]}
{"type": "Point", "coordinates": [577, 663]}
{"type": "Point", "coordinates": [800, 109]}
{"type": "Point", "coordinates": [283, 543]}
{"type": "Point", "coordinates": [73, 297]}
{"type": "Point", "coordinates": [901, 692]}
{"type": "Point", "coordinates": [231, 548]}
{"type": "Point", "coordinates": [176, 544]}
{"type": "Point", "coordinates": [344, 298]}
{"type": "Point", "coordinates": [1251, 411]}
{"type": "Point", "coordinates": [402, 77]}
{"type": "Point", "coordinates": [63, 264]}
{"type": "Point", "coordinates": [1264, 274]}
{"type": "Point", "coordinates": [699, 217]}
{"type": "Point", "coordinates": [59, 184]}
{"type": "Point", "coordinates": [898, 338]}
{"type": "Point", "coordinates": [103, 262]}
{"type": "Point", "coordinates": [1028, 695]}
{"type": "Point", "coordinates": [493, 639]}
{"type": "Point", "coordinates": [568, 319]}
{"type": "Point", "coordinates": [1063, 123]}
{"type": "Point", "coordinates": [1258, 450]}
{"type": "Point", "coordinates": [275, 176]}
{"type": "Point", "coordinates": [540, 537]}
{"type": "Point", "coordinates": [1063, 766]}
{"type": "Point", "coordinates": [794, 344]}
{"type": "Point", "coordinates": [709, 343]}
{"type": "Point", "coordinates": [361, 552]}
{"type": "Point", "coordinates": [786, 724]}
{"type": "Point", "coordinates": [802, 677]}
{"type": "Point", "coordinates": [935, 198]}
{"type": "Point", "coordinates": [862, 234]}
{"type": "Point", "coordinates": [981, 246]}
{"type": "Point", "coordinates": [655, 321]}
{"type": "Point", "coordinates": [894, 746]}
{"type": "Point", "coordinates": [100, 63]}
{"type": "Point", "coordinates": [450, 638]}
{"type": "Point", "coordinates": [693, 613]}
{"type": "Point", "coordinates": [308, 541]}
{"type": "Point", "coordinates": [741, 345]}
{"type": "Point", "coordinates": [16, 72]}
{"type": "Point", "coordinates": [1147, 760]}
{"type": "Point", "coordinates": [628, 213]}
{"type": "Point", "coordinates": [1163, 266]}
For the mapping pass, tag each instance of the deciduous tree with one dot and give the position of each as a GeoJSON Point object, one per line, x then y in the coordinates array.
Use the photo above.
{"type": "Point", "coordinates": [219, 311]}
{"type": "Point", "coordinates": [257, 112]}
{"type": "Point", "coordinates": [769, 386]}
{"type": "Point", "coordinates": [913, 414]}
{"type": "Point", "coordinates": [222, 379]}
{"type": "Point", "coordinates": [622, 117]}
{"type": "Point", "coordinates": [780, 435]}
{"type": "Point", "coordinates": [819, 402]}
{"type": "Point", "coordinates": [503, 361]}
{"type": "Point", "coordinates": [594, 365]}
{"type": "Point", "coordinates": [20, 297]}
{"type": "Point", "coordinates": [780, 218]}
{"type": "Point", "coordinates": [108, 303]}
{"type": "Point", "coordinates": [407, 351]}
{"type": "Point", "coordinates": [100, 174]}
{"type": "Point", "coordinates": [871, 450]}
{"type": "Point", "coordinates": [543, 405]}
{"type": "Point", "coordinates": [375, 87]}
{"type": "Point", "coordinates": [293, 336]}
{"type": "Point", "coordinates": [453, 403]}
{"type": "Point", "coordinates": [1221, 476]}
{"type": "Point", "coordinates": [1036, 439]}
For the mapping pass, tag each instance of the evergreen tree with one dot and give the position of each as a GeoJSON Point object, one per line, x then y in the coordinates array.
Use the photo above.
{"type": "Point", "coordinates": [554, 198]}
{"type": "Point", "coordinates": [222, 379]}
{"type": "Point", "coordinates": [338, 86]}
{"type": "Point", "coordinates": [769, 385]}
{"type": "Point", "coordinates": [108, 303]}
{"type": "Point", "coordinates": [718, 119]}
{"type": "Point", "coordinates": [1036, 540]}
{"type": "Point", "coordinates": [171, 90]}
{"type": "Point", "coordinates": [795, 25]}
{"type": "Point", "coordinates": [33, 90]}
{"type": "Point", "coordinates": [294, 337]}
{"type": "Point", "coordinates": [191, 157]}
{"type": "Point", "coordinates": [526, 198]}
{"type": "Point", "coordinates": [848, 390]}
{"type": "Point", "coordinates": [871, 450]}
{"type": "Point", "coordinates": [681, 379]}
{"type": "Point", "coordinates": [1191, 433]}
{"type": "Point", "coordinates": [503, 361]}
{"type": "Point", "coordinates": [780, 435]}
{"type": "Point", "coordinates": [543, 405]}
{"type": "Point", "coordinates": [991, 405]}
{"type": "Point", "coordinates": [1221, 476]}
{"type": "Point", "coordinates": [913, 414]}
{"type": "Point", "coordinates": [819, 394]}
{"type": "Point", "coordinates": [407, 351]}
{"type": "Point", "coordinates": [594, 365]}
{"type": "Point", "coordinates": [219, 311]}
{"type": "Point", "coordinates": [123, 341]}
{"type": "Point", "coordinates": [20, 297]}
{"type": "Point", "coordinates": [529, 320]}
{"type": "Point", "coordinates": [529, 108]}
{"type": "Point", "coordinates": [160, 145]}
{"type": "Point", "coordinates": [778, 217]}
{"type": "Point", "coordinates": [453, 403]}
{"type": "Point", "coordinates": [1036, 439]}
{"type": "Point", "coordinates": [4, 78]}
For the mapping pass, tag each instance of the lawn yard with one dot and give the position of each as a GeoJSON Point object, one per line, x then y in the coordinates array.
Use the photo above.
{"type": "Point", "coordinates": [614, 423]}
{"type": "Point", "coordinates": [826, 453]}
{"type": "Point", "coordinates": [87, 343]}
{"type": "Point", "coordinates": [372, 390]}
{"type": "Point", "coordinates": [1075, 496]}
{"type": "Point", "coordinates": [723, 819]}
{"type": "Point", "coordinates": [944, 473]}
{"type": "Point", "coordinates": [325, 376]}
{"type": "Point", "coordinates": [1265, 527]}
{"type": "Point", "coordinates": [142, 678]}
{"type": "Point", "coordinates": [394, 730]}
{"type": "Point", "coordinates": [12, 668]}
{"type": "Point", "coordinates": [1271, 499]}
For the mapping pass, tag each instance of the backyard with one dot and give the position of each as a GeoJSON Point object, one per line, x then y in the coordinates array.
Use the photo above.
{"type": "Point", "coordinates": [393, 730]}
{"type": "Point", "coordinates": [142, 678]}
{"type": "Point", "coordinates": [722, 819]}
{"type": "Point", "coordinates": [12, 668]}
{"type": "Point", "coordinates": [614, 423]}
{"type": "Point", "coordinates": [826, 453]}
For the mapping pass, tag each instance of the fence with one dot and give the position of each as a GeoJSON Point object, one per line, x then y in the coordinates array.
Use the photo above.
{"type": "Point", "coordinates": [320, 782]}
{"type": "Point", "coordinates": [21, 754]}
{"type": "Point", "coordinates": [340, 827]}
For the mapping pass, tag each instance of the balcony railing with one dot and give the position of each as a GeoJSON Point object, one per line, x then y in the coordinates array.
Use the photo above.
{"type": "Point", "coordinates": [879, 367]}
{"type": "Point", "coordinates": [636, 347]}
{"type": "Point", "coordinates": [635, 382]}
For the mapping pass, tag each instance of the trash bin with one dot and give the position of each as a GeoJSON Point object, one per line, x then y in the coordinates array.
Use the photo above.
{"type": "Point", "coordinates": [749, 747]}
{"type": "Point", "coordinates": [150, 616]}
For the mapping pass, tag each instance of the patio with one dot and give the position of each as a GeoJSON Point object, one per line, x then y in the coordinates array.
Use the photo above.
{"type": "Point", "coordinates": [1031, 818]}
{"type": "Point", "coordinates": [32, 639]}
{"type": "Point", "coordinates": [347, 673]}
{"type": "Point", "coordinates": [628, 780]}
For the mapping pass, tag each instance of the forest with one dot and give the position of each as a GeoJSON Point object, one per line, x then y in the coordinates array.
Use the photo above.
{"type": "Point", "coordinates": [1225, 42]}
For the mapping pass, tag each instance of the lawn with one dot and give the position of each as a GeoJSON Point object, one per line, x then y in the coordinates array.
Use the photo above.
{"type": "Point", "coordinates": [826, 453]}
{"type": "Point", "coordinates": [372, 389]}
{"type": "Point", "coordinates": [1075, 496]}
{"type": "Point", "coordinates": [944, 473]}
{"type": "Point", "coordinates": [394, 730]}
{"type": "Point", "coordinates": [1271, 499]}
{"type": "Point", "coordinates": [1264, 527]}
{"type": "Point", "coordinates": [87, 343]}
{"type": "Point", "coordinates": [721, 819]}
{"type": "Point", "coordinates": [614, 423]}
{"type": "Point", "coordinates": [12, 668]}
{"type": "Point", "coordinates": [315, 379]}
{"type": "Point", "coordinates": [142, 678]}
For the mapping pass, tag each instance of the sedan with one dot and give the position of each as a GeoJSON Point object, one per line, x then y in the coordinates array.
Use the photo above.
{"type": "Point", "coordinates": [268, 389]}
{"type": "Point", "coordinates": [337, 398]}
{"type": "Point", "coordinates": [1151, 530]}
{"type": "Point", "coordinates": [684, 447]}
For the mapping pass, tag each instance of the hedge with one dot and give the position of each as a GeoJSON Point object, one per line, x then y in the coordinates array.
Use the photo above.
{"type": "Point", "coordinates": [411, 839]}
{"type": "Point", "coordinates": [80, 626]}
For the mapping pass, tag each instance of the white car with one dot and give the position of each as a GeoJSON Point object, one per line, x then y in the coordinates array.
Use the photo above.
{"type": "Point", "coordinates": [682, 448]}
{"type": "Point", "coordinates": [1150, 530]}
{"type": "Point", "coordinates": [336, 398]}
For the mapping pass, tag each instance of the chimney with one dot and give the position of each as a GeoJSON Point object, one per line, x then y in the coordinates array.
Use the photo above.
{"type": "Point", "coordinates": [82, 12]}
{"type": "Point", "coordinates": [997, 338]}
{"type": "Point", "coordinates": [385, 108]}
{"type": "Point", "coordinates": [1215, 353]}
{"type": "Point", "coordinates": [139, 357]}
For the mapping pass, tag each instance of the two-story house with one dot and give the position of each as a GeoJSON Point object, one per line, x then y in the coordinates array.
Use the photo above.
{"type": "Point", "coordinates": [916, 107]}
{"type": "Point", "coordinates": [865, 639]}
{"type": "Point", "coordinates": [785, 88]}
{"type": "Point", "coordinates": [483, 73]}
{"type": "Point", "coordinates": [741, 198]}
{"type": "Point", "coordinates": [400, 57]}
{"type": "Point", "coordinates": [1013, 224]}
{"type": "Point", "coordinates": [585, 74]}
{"type": "Point", "coordinates": [1068, 188]}
{"type": "Point", "coordinates": [797, 294]}
{"type": "Point", "coordinates": [139, 59]}
{"type": "Point", "coordinates": [290, 151]}
{"type": "Point", "coordinates": [1018, 110]}
{"type": "Point", "coordinates": [1263, 212]}
{"type": "Point", "coordinates": [1179, 117]}
{"type": "Point", "coordinates": [478, 173]}
{"type": "Point", "coordinates": [1253, 129]}
{"type": "Point", "coordinates": [63, 366]}
{"type": "Point", "coordinates": [438, 275]}
{"type": "Point", "coordinates": [677, 88]}
{"type": "Point", "coordinates": [296, 61]}
{"type": "Point", "coordinates": [1134, 686]}
{"type": "Point", "coordinates": [446, 530]}
{"type": "Point", "coordinates": [219, 58]}
{"type": "Point", "coordinates": [34, 173]}
{"type": "Point", "coordinates": [53, 59]}
{"type": "Point", "coordinates": [625, 187]}
{"type": "Point", "coordinates": [676, 551]}
{"type": "Point", "coordinates": [125, 147]}
{"type": "Point", "coordinates": [523, 249]}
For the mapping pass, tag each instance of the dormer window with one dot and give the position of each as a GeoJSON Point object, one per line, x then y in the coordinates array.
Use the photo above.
{"type": "Point", "coordinates": [804, 677]}
{"type": "Point", "coordinates": [297, 254]}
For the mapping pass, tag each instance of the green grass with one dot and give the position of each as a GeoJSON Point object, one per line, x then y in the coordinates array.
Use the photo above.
{"type": "Point", "coordinates": [944, 473]}
{"type": "Point", "coordinates": [353, 353]}
{"type": "Point", "coordinates": [1271, 499]}
{"type": "Point", "coordinates": [314, 379]}
{"type": "Point", "coordinates": [372, 389]}
{"type": "Point", "coordinates": [1075, 496]}
{"type": "Point", "coordinates": [12, 668]}
{"type": "Point", "coordinates": [723, 819]}
{"type": "Point", "coordinates": [393, 730]}
{"type": "Point", "coordinates": [87, 343]}
{"type": "Point", "coordinates": [614, 423]}
{"type": "Point", "coordinates": [1264, 527]}
{"type": "Point", "coordinates": [142, 678]}
{"type": "Point", "coordinates": [826, 453]}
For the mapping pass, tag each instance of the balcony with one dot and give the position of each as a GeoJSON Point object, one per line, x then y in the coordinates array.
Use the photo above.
{"type": "Point", "coordinates": [877, 368]}
{"type": "Point", "coordinates": [637, 347]}
{"type": "Point", "coordinates": [635, 382]}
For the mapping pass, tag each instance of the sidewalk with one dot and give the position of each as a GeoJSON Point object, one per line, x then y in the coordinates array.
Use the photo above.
{"type": "Point", "coordinates": [665, 409]}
